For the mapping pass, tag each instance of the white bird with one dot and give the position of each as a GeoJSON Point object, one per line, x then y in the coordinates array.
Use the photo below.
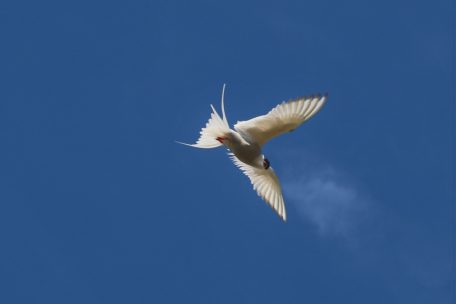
{"type": "Point", "coordinates": [248, 137]}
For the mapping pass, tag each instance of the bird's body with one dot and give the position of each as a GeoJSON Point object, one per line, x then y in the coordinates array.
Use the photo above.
{"type": "Point", "coordinates": [247, 138]}
{"type": "Point", "coordinates": [248, 153]}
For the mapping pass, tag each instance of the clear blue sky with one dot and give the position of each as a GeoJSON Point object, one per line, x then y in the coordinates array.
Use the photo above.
{"type": "Point", "coordinates": [99, 205]}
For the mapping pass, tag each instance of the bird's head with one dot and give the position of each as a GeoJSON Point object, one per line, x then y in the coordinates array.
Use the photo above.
{"type": "Point", "coordinates": [221, 139]}
{"type": "Point", "coordinates": [227, 139]}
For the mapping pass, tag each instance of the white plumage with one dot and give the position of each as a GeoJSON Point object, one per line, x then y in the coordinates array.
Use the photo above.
{"type": "Point", "coordinates": [247, 138]}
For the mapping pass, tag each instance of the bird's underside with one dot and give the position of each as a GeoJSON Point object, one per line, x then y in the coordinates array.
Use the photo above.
{"type": "Point", "coordinates": [247, 138]}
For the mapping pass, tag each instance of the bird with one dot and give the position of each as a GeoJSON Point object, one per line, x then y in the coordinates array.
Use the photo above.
{"type": "Point", "coordinates": [246, 140]}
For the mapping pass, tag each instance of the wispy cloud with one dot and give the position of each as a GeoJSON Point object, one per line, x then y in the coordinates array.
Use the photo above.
{"type": "Point", "coordinates": [328, 199]}
{"type": "Point", "coordinates": [333, 201]}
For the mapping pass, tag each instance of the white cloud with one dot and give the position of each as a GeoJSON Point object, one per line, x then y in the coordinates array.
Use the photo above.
{"type": "Point", "coordinates": [328, 200]}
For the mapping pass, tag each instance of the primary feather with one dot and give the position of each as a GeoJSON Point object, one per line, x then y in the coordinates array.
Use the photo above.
{"type": "Point", "coordinates": [266, 184]}
{"type": "Point", "coordinates": [285, 117]}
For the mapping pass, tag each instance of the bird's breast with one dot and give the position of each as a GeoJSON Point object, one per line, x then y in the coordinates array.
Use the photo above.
{"type": "Point", "coordinates": [249, 154]}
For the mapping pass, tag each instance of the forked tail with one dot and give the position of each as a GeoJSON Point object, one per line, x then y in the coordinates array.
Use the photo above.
{"type": "Point", "coordinates": [215, 127]}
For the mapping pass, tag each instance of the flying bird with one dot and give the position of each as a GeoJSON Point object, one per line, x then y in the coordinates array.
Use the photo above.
{"type": "Point", "coordinates": [248, 137]}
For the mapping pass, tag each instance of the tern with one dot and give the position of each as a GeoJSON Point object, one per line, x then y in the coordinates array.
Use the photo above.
{"type": "Point", "coordinates": [248, 137]}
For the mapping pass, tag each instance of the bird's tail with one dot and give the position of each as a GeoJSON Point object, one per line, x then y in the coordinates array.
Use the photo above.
{"type": "Point", "coordinates": [215, 127]}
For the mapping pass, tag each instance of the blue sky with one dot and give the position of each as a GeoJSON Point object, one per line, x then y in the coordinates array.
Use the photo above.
{"type": "Point", "coordinates": [99, 205]}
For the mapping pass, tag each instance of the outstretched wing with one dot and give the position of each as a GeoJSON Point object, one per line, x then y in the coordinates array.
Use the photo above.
{"type": "Point", "coordinates": [266, 184]}
{"type": "Point", "coordinates": [285, 117]}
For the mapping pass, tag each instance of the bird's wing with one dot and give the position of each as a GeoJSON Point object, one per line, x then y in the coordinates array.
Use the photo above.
{"type": "Point", "coordinates": [285, 117]}
{"type": "Point", "coordinates": [266, 184]}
